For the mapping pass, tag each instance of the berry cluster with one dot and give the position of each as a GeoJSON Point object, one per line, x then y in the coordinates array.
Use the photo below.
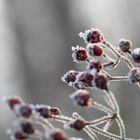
{"type": "Point", "coordinates": [95, 55]}
{"type": "Point", "coordinates": [35, 121]}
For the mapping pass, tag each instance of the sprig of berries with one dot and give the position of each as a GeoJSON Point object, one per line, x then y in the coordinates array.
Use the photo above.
{"type": "Point", "coordinates": [94, 77]}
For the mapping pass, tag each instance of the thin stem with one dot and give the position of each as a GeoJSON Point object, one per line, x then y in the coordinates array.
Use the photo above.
{"type": "Point", "coordinates": [108, 124]}
{"type": "Point", "coordinates": [106, 134]}
{"type": "Point", "coordinates": [118, 54]}
{"type": "Point", "coordinates": [121, 126]}
{"type": "Point", "coordinates": [99, 120]}
{"type": "Point", "coordinates": [112, 99]}
{"type": "Point", "coordinates": [118, 78]}
{"type": "Point", "coordinates": [61, 118]}
{"type": "Point", "coordinates": [90, 133]}
{"type": "Point", "coordinates": [101, 107]}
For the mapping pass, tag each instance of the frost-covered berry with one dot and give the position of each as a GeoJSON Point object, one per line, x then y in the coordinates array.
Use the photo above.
{"type": "Point", "coordinates": [134, 75]}
{"type": "Point", "coordinates": [95, 64]}
{"type": "Point", "coordinates": [95, 49]}
{"type": "Point", "coordinates": [55, 111]}
{"type": "Point", "coordinates": [13, 101]}
{"type": "Point", "coordinates": [27, 127]}
{"type": "Point", "coordinates": [19, 135]}
{"type": "Point", "coordinates": [136, 55]}
{"type": "Point", "coordinates": [82, 98]}
{"type": "Point", "coordinates": [70, 76]}
{"type": "Point", "coordinates": [101, 81]}
{"type": "Point", "coordinates": [125, 45]}
{"type": "Point", "coordinates": [43, 110]}
{"type": "Point", "coordinates": [23, 110]}
{"type": "Point", "coordinates": [85, 79]}
{"type": "Point", "coordinates": [57, 134]}
{"type": "Point", "coordinates": [78, 124]}
{"type": "Point", "coordinates": [92, 36]}
{"type": "Point", "coordinates": [79, 54]}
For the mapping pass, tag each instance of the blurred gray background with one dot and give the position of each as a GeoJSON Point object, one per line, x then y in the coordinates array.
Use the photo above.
{"type": "Point", "coordinates": [35, 51]}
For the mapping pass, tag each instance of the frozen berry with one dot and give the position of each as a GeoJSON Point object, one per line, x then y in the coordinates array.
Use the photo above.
{"type": "Point", "coordinates": [82, 98]}
{"type": "Point", "coordinates": [55, 111]}
{"type": "Point", "coordinates": [85, 79]}
{"type": "Point", "coordinates": [101, 81]}
{"type": "Point", "coordinates": [125, 45]}
{"type": "Point", "coordinates": [70, 76]}
{"type": "Point", "coordinates": [134, 75]}
{"type": "Point", "coordinates": [78, 124]}
{"type": "Point", "coordinates": [79, 54]}
{"type": "Point", "coordinates": [95, 49]}
{"type": "Point", "coordinates": [136, 55]}
{"type": "Point", "coordinates": [92, 36]}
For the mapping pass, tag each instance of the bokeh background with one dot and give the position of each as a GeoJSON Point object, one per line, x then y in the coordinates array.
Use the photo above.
{"type": "Point", "coordinates": [35, 51]}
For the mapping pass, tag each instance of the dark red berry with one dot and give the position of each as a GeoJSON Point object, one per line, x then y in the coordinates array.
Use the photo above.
{"type": "Point", "coordinates": [95, 49]}
{"type": "Point", "coordinates": [19, 135]}
{"type": "Point", "coordinates": [96, 65]}
{"type": "Point", "coordinates": [82, 98]}
{"type": "Point", "coordinates": [78, 124]}
{"type": "Point", "coordinates": [81, 55]}
{"type": "Point", "coordinates": [134, 75]}
{"type": "Point", "coordinates": [86, 79]}
{"type": "Point", "coordinates": [27, 127]}
{"type": "Point", "coordinates": [136, 55]}
{"type": "Point", "coordinates": [25, 111]}
{"type": "Point", "coordinates": [58, 135]}
{"type": "Point", "coordinates": [55, 111]}
{"type": "Point", "coordinates": [14, 101]}
{"type": "Point", "coordinates": [70, 76]}
{"type": "Point", "coordinates": [95, 36]}
{"type": "Point", "coordinates": [125, 45]}
{"type": "Point", "coordinates": [44, 112]}
{"type": "Point", "coordinates": [101, 81]}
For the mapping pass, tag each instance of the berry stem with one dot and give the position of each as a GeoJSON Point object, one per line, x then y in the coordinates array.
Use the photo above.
{"type": "Point", "coordinates": [101, 107]}
{"type": "Point", "coordinates": [103, 119]}
{"type": "Point", "coordinates": [90, 133]}
{"type": "Point", "coordinates": [118, 78]}
{"type": "Point", "coordinates": [118, 54]}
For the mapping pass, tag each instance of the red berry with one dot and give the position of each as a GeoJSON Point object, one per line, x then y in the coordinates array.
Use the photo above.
{"type": "Point", "coordinates": [95, 49]}
{"type": "Point", "coordinates": [136, 55]}
{"type": "Point", "coordinates": [79, 54]}
{"type": "Point", "coordinates": [78, 124]}
{"type": "Point", "coordinates": [125, 45]}
{"type": "Point", "coordinates": [95, 36]}
{"type": "Point", "coordinates": [58, 135]}
{"type": "Point", "coordinates": [82, 98]}
{"type": "Point", "coordinates": [70, 76]}
{"type": "Point", "coordinates": [55, 111]}
{"type": "Point", "coordinates": [101, 81]}
{"type": "Point", "coordinates": [44, 112]}
{"type": "Point", "coordinates": [85, 78]}
{"type": "Point", "coordinates": [14, 101]}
